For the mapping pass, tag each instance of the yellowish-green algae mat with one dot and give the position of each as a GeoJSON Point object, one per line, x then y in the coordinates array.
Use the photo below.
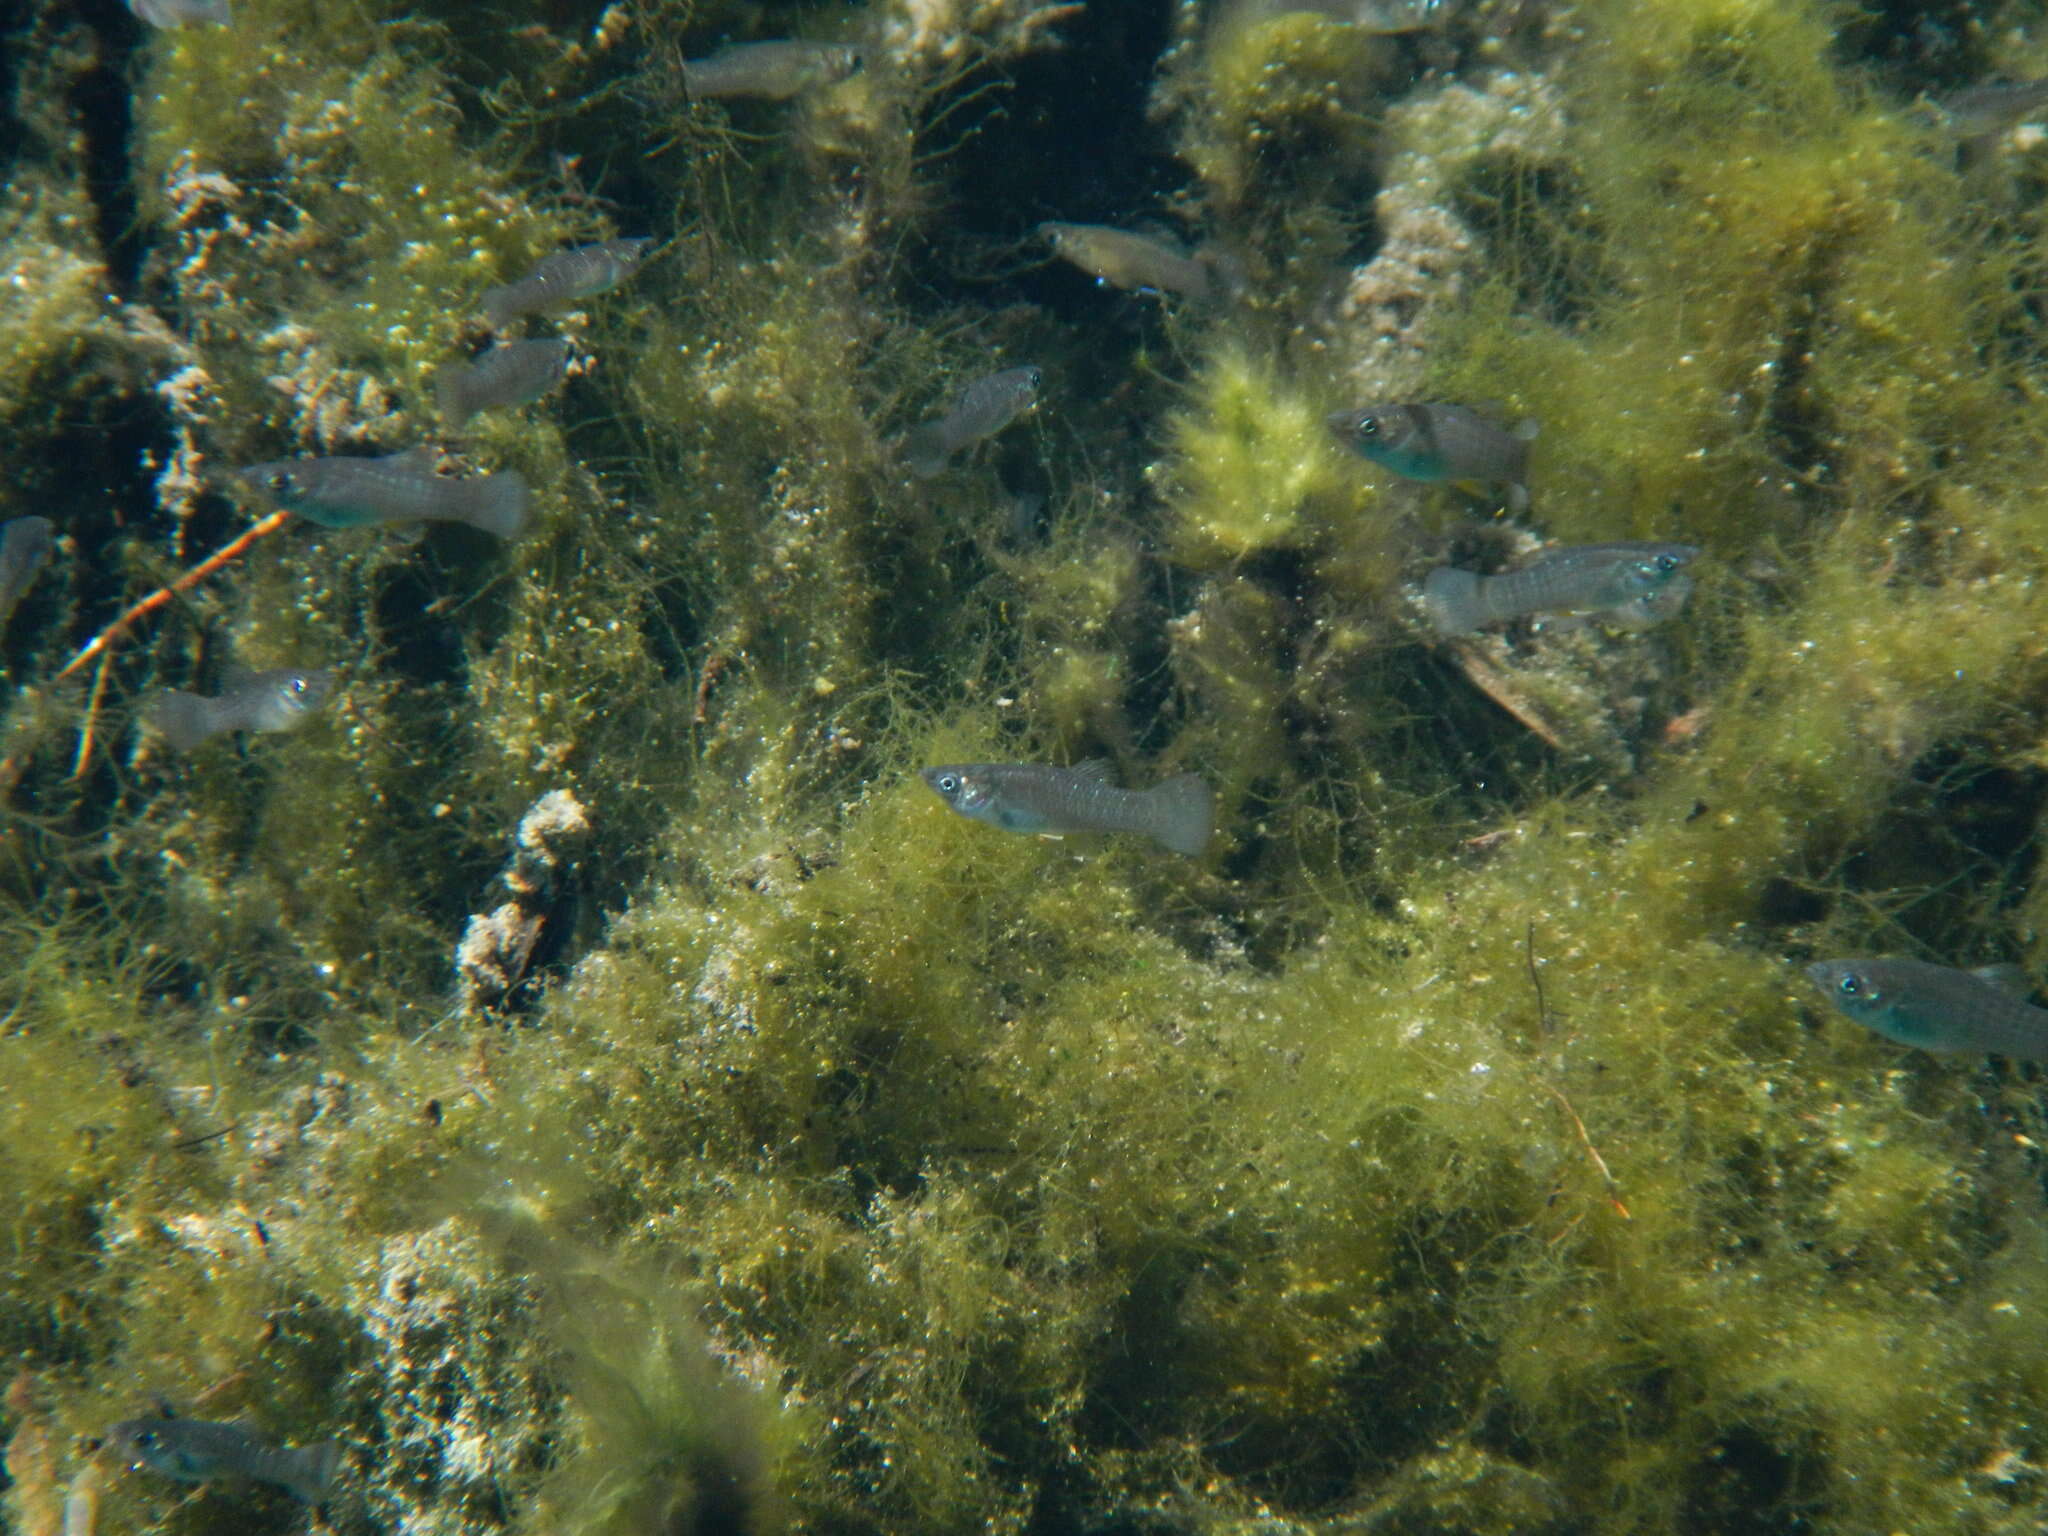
{"type": "Point", "coordinates": [1456, 1148]}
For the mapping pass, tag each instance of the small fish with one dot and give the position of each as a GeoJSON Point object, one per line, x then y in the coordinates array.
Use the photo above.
{"type": "Point", "coordinates": [1630, 584]}
{"type": "Point", "coordinates": [1380, 17]}
{"type": "Point", "coordinates": [277, 700]}
{"type": "Point", "coordinates": [772, 71]}
{"type": "Point", "coordinates": [984, 408]}
{"type": "Point", "coordinates": [197, 1451]}
{"type": "Point", "coordinates": [1124, 259]}
{"type": "Point", "coordinates": [24, 547]}
{"type": "Point", "coordinates": [566, 276]}
{"type": "Point", "coordinates": [1394, 16]}
{"type": "Point", "coordinates": [1440, 445]}
{"type": "Point", "coordinates": [1935, 1007]}
{"type": "Point", "coordinates": [399, 488]}
{"type": "Point", "coordinates": [1979, 111]}
{"type": "Point", "coordinates": [510, 373]}
{"type": "Point", "coordinates": [1177, 813]}
{"type": "Point", "coordinates": [175, 13]}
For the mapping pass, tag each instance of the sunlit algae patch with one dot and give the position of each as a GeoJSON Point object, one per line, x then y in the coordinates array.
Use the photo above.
{"type": "Point", "coordinates": [1454, 1147]}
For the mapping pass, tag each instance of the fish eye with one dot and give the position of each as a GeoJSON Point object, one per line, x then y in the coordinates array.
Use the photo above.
{"type": "Point", "coordinates": [280, 482]}
{"type": "Point", "coordinates": [1850, 985]}
{"type": "Point", "coordinates": [1666, 564]}
{"type": "Point", "coordinates": [948, 783]}
{"type": "Point", "coordinates": [1368, 426]}
{"type": "Point", "coordinates": [144, 1438]}
{"type": "Point", "coordinates": [1034, 377]}
{"type": "Point", "coordinates": [297, 685]}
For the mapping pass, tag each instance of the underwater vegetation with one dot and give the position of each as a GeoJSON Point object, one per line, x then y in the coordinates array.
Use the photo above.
{"type": "Point", "coordinates": [582, 1070]}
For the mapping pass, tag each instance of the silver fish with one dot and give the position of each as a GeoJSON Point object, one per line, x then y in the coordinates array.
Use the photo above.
{"type": "Point", "coordinates": [175, 13]}
{"type": "Point", "coordinates": [566, 276]}
{"type": "Point", "coordinates": [1124, 259]}
{"type": "Point", "coordinates": [399, 488]}
{"type": "Point", "coordinates": [277, 700]}
{"type": "Point", "coordinates": [24, 547]}
{"type": "Point", "coordinates": [984, 408]}
{"type": "Point", "coordinates": [1981, 110]}
{"type": "Point", "coordinates": [1382, 17]}
{"type": "Point", "coordinates": [772, 71]}
{"type": "Point", "coordinates": [1934, 1007]}
{"type": "Point", "coordinates": [1178, 813]}
{"type": "Point", "coordinates": [510, 373]}
{"type": "Point", "coordinates": [1440, 445]}
{"type": "Point", "coordinates": [1630, 584]}
{"type": "Point", "coordinates": [198, 1450]}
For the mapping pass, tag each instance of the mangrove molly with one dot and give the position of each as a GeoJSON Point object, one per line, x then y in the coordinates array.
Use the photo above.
{"type": "Point", "coordinates": [984, 408]}
{"type": "Point", "coordinates": [1441, 445]}
{"type": "Point", "coordinates": [1178, 813]}
{"type": "Point", "coordinates": [25, 544]}
{"type": "Point", "coordinates": [1629, 584]}
{"type": "Point", "coordinates": [578, 273]}
{"type": "Point", "coordinates": [398, 488]}
{"type": "Point", "coordinates": [771, 71]}
{"type": "Point", "coordinates": [1935, 1007]}
{"type": "Point", "coordinates": [199, 1450]}
{"type": "Point", "coordinates": [279, 699]}
{"type": "Point", "coordinates": [1125, 259]}
{"type": "Point", "coordinates": [510, 373]}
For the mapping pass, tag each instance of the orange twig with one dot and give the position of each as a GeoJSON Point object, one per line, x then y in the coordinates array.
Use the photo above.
{"type": "Point", "coordinates": [101, 644]}
{"type": "Point", "coordinates": [231, 550]}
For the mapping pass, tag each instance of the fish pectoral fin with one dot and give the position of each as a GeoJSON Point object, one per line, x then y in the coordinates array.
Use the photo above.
{"type": "Point", "coordinates": [1097, 770]}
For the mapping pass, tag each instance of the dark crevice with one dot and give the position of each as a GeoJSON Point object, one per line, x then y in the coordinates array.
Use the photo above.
{"type": "Point", "coordinates": [1062, 135]}
{"type": "Point", "coordinates": [99, 98]}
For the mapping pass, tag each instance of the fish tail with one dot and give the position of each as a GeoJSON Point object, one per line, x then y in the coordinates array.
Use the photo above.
{"type": "Point", "coordinates": [184, 719]}
{"type": "Point", "coordinates": [1452, 598]}
{"type": "Point", "coordinates": [503, 304]}
{"type": "Point", "coordinates": [451, 393]}
{"type": "Point", "coordinates": [496, 503]}
{"type": "Point", "coordinates": [1183, 813]}
{"type": "Point", "coordinates": [927, 448]}
{"type": "Point", "coordinates": [310, 1470]}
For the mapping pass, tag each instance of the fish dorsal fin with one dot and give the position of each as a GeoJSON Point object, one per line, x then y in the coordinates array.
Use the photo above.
{"type": "Point", "coordinates": [418, 459]}
{"type": "Point", "coordinates": [2007, 978]}
{"type": "Point", "coordinates": [1097, 770]}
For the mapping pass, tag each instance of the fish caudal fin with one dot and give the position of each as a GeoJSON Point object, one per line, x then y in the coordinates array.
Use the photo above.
{"type": "Point", "coordinates": [185, 720]}
{"type": "Point", "coordinates": [497, 503]}
{"type": "Point", "coordinates": [1183, 814]}
{"type": "Point", "coordinates": [313, 1470]}
{"type": "Point", "coordinates": [1452, 598]}
{"type": "Point", "coordinates": [926, 449]}
{"type": "Point", "coordinates": [452, 395]}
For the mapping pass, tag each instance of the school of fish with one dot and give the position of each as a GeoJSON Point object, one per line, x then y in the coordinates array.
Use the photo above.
{"type": "Point", "coordinates": [1470, 450]}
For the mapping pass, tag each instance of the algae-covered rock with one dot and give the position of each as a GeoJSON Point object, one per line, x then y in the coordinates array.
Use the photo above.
{"type": "Point", "coordinates": [1455, 1147]}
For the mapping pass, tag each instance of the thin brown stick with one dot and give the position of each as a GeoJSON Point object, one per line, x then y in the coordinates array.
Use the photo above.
{"type": "Point", "coordinates": [231, 550]}
{"type": "Point", "coordinates": [101, 645]}
{"type": "Point", "coordinates": [92, 714]}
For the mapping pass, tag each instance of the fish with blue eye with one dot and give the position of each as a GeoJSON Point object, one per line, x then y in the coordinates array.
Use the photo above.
{"type": "Point", "coordinates": [348, 492]}
{"type": "Point", "coordinates": [200, 1450]}
{"type": "Point", "coordinates": [1630, 584]}
{"type": "Point", "coordinates": [279, 699]}
{"type": "Point", "coordinates": [1440, 444]}
{"type": "Point", "coordinates": [1177, 813]}
{"type": "Point", "coordinates": [1936, 1007]}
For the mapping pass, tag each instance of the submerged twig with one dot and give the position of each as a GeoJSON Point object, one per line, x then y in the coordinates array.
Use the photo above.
{"type": "Point", "coordinates": [101, 644]}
